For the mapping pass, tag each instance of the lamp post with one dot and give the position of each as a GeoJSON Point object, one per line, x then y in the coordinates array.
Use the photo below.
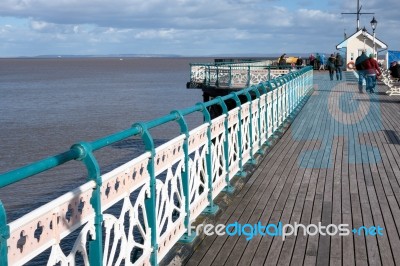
{"type": "Point", "coordinates": [364, 33]}
{"type": "Point", "coordinates": [374, 23]}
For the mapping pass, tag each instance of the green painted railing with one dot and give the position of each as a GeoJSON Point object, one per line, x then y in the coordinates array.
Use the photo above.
{"type": "Point", "coordinates": [173, 184]}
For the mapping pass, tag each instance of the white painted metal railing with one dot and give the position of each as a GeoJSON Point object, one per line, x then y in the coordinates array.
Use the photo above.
{"type": "Point", "coordinates": [238, 75]}
{"type": "Point", "coordinates": [160, 192]}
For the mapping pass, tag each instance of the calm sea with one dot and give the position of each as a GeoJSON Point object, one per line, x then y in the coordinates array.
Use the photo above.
{"type": "Point", "coordinates": [46, 105]}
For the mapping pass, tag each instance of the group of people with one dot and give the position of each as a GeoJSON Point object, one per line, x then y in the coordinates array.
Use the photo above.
{"type": "Point", "coordinates": [282, 62]}
{"type": "Point", "coordinates": [368, 69]}
{"type": "Point", "coordinates": [335, 65]}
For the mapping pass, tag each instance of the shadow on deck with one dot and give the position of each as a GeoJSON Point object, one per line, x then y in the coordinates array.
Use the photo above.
{"type": "Point", "coordinates": [338, 163]}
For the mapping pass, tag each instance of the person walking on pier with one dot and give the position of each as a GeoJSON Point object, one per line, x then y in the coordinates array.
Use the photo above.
{"type": "Point", "coordinates": [317, 61]}
{"type": "Point", "coordinates": [322, 62]}
{"type": "Point", "coordinates": [338, 66]}
{"type": "Point", "coordinates": [331, 65]}
{"type": "Point", "coordinates": [360, 67]}
{"type": "Point", "coordinates": [371, 68]}
{"type": "Point", "coordinates": [311, 59]}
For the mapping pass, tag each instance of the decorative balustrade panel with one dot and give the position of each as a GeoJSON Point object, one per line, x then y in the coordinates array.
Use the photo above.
{"type": "Point", "coordinates": [245, 129]}
{"type": "Point", "coordinates": [223, 75]}
{"type": "Point", "coordinates": [218, 154]}
{"type": "Point", "coordinates": [198, 150]}
{"type": "Point", "coordinates": [285, 100]}
{"type": "Point", "coordinates": [258, 76]}
{"type": "Point", "coordinates": [280, 109]}
{"type": "Point", "coordinates": [263, 113]}
{"type": "Point", "coordinates": [269, 114]}
{"type": "Point", "coordinates": [275, 108]}
{"type": "Point", "coordinates": [169, 161]}
{"type": "Point", "coordinates": [126, 228]}
{"type": "Point", "coordinates": [240, 78]}
{"type": "Point", "coordinates": [233, 144]}
{"type": "Point", "coordinates": [47, 226]}
{"type": "Point", "coordinates": [198, 74]}
{"type": "Point", "coordinates": [146, 203]}
{"type": "Point", "coordinates": [255, 116]}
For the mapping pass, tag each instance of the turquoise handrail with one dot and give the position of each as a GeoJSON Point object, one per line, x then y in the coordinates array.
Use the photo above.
{"type": "Point", "coordinates": [84, 152]}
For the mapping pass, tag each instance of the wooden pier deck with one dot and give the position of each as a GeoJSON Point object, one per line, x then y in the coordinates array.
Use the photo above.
{"type": "Point", "coordinates": [339, 163]}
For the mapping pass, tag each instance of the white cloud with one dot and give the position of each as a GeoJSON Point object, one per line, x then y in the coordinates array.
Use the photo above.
{"type": "Point", "coordinates": [208, 26]}
{"type": "Point", "coordinates": [39, 25]}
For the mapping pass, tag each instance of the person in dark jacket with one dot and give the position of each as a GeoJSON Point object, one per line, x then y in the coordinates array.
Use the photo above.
{"type": "Point", "coordinates": [312, 59]}
{"type": "Point", "coordinates": [395, 70]}
{"type": "Point", "coordinates": [299, 62]}
{"type": "Point", "coordinates": [372, 69]}
{"type": "Point", "coordinates": [338, 66]}
{"type": "Point", "coordinates": [282, 61]}
{"type": "Point", "coordinates": [360, 70]}
{"type": "Point", "coordinates": [331, 65]}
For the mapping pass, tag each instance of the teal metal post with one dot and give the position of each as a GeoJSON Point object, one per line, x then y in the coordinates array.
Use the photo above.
{"type": "Point", "coordinates": [87, 157]}
{"type": "Point", "coordinates": [4, 236]}
{"type": "Point", "coordinates": [150, 201]}
{"type": "Point", "coordinates": [188, 237]}
{"type": "Point", "coordinates": [211, 208]}
{"type": "Point", "coordinates": [228, 188]}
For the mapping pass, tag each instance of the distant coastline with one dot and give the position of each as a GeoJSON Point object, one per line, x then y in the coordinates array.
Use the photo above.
{"type": "Point", "coordinates": [250, 55]}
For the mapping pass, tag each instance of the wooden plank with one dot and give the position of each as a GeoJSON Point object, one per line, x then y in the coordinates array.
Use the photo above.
{"type": "Point", "coordinates": [308, 185]}
{"type": "Point", "coordinates": [361, 188]}
{"type": "Point", "coordinates": [244, 200]}
{"type": "Point", "coordinates": [259, 257]}
{"type": "Point", "coordinates": [380, 190]}
{"type": "Point", "coordinates": [336, 241]}
{"type": "Point", "coordinates": [250, 247]}
{"type": "Point", "coordinates": [237, 206]}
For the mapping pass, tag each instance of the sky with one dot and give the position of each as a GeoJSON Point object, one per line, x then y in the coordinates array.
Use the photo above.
{"type": "Point", "coordinates": [187, 27]}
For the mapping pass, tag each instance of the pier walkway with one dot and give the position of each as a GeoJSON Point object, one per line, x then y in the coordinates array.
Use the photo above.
{"type": "Point", "coordinates": [338, 163]}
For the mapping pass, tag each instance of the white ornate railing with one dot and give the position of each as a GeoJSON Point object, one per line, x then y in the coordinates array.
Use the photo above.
{"type": "Point", "coordinates": [134, 214]}
{"type": "Point", "coordinates": [233, 75]}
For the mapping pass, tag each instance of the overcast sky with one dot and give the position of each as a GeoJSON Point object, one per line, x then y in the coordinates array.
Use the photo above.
{"type": "Point", "coordinates": [186, 27]}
